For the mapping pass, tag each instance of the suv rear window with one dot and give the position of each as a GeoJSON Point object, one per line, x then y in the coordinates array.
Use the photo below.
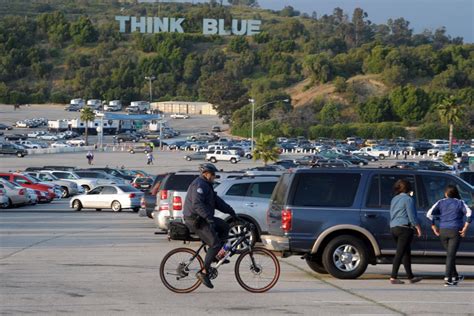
{"type": "Point", "coordinates": [178, 182]}
{"type": "Point", "coordinates": [281, 189]}
{"type": "Point", "coordinates": [326, 189]}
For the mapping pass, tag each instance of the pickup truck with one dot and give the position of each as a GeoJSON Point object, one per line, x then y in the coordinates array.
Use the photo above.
{"type": "Point", "coordinates": [224, 155]}
{"type": "Point", "coordinates": [380, 152]}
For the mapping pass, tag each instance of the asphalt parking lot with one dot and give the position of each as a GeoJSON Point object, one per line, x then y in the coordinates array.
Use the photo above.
{"type": "Point", "coordinates": [57, 261]}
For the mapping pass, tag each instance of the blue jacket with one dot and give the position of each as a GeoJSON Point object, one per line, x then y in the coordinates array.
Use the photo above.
{"type": "Point", "coordinates": [450, 212]}
{"type": "Point", "coordinates": [402, 211]}
{"type": "Point", "coordinates": [201, 200]}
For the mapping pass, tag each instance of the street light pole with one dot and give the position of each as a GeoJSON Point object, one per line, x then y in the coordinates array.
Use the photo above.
{"type": "Point", "coordinates": [253, 117]}
{"type": "Point", "coordinates": [150, 79]}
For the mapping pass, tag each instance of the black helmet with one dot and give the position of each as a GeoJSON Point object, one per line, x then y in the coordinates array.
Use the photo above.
{"type": "Point", "coordinates": [207, 167]}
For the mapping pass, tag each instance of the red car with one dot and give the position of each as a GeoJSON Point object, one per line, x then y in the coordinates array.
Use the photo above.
{"type": "Point", "coordinates": [28, 182]}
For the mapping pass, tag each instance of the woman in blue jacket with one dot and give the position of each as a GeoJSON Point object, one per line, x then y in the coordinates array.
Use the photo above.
{"type": "Point", "coordinates": [451, 212]}
{"type": "Point", "coordinates": [403, 224]}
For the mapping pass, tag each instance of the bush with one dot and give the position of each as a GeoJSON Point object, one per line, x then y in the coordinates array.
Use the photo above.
{"type": "Point", "coordinates": [59, 97]}
{"type": "Point", "coordinates": [368, 130]}
{"type": "Point", "coordinates": [448, 158]}
{"type": "Point", "coordinates": [340, 84]}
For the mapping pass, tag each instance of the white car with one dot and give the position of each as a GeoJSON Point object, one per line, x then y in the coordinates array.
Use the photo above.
{"type": "Point", "coordinates": [47, 137]}
{"type": "Point", "coordinates": [21, 124]}
{"type": "Point", "coordinates": [116, 197]}
{"type": "Point", "coordinates": [32, 196]}
{"type": "Point", "coordinates": [15, 195]}
{"type": "Point", "coordinates": [35, 134]}
{"type": "Point", "coordinates": [379, 151]}
{"type": "Point", "coordinates": [179, 116]}
{"type": "Point", "coordinates": [3, 198]}
{"type": "Point", "coordinates": [60, 145]}
{"type": "Point", "coordinates": [86, 184]}
{"type": "Point", "coordinates": [76, 142]}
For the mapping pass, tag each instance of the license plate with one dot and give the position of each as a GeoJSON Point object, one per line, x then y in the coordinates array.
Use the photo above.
{"type": "Point", "coordinates": [146, 185]}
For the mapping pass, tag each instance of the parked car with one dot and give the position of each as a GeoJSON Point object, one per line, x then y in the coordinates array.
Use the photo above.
{"type": "Point", "coordinates": [434, 165]}
{"type": "Point", "coordinates": [100, 176]}
{"type": "Point", "coordinates": [142, 183]}
{"type": "Point", "coordinates": [3, 197]}
{"type": "Point", "coordinates": [12, 149]}
{"type": "Point", "coordinates": [5, 127]}
{"type": "Point", "coordinates": [116, 197]}
{"type": "Point", "coordinates": [85, 183]}
{"type": "Point", "coordinates": [13, 137]}
{"type": "Point", "coordinates": [203, 136]}
{"type": "Point", "coordinates": [198, 155]}
{"type": "Point", "coordinates": [467, 176]}
{"type": "Point", "coordinates": [148, 202]}
{"type": "Point", "coordinates": [249, 197]}
{"type": "Point", "coordinates": [179, 116]}
{"type": "Point", "coordinates": [339, 219]}
{"type": "Point", "coordinates": [60, 144]}
{"type": "Point", "coordinates": [15, 195]}
{"type": "Point", "coordinates": [26, 181]}
{"type": "Point", "coordinates": [406, 165]}
{"type": "Point", "coordinates": [69, 188]}
{"type": "Point", "coordinates": [127, 137]}
{"type": "Point", "coordinates": [222, 155]}
{"type": "Point", "coordinates": [113, 172]}
{"type": "Point", "coordinates": [47, 137]}
{"type": "Point", "coordinates": [216, 129]}
{"type": "Point", "coordinates": [76, 142]}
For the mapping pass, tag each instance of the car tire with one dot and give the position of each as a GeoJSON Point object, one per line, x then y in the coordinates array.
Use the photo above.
{"type": "Point", "coordinates": [19, 155]}
{"type": "Point", "coordinates": [248, 156]}
{"type": "Point", "coordinates": [10, 203]}
{"type": "Point", "coordinates": [86, 188]}
{"type": "Point", "coordinates": [77, 205]}
{"type": "Point", "coordinates": [135, 209]}
{"type": "Point", "coordinates": [213, 160]}
{"type": "Point", "coordinates": [233, 160]}
{"type": "Point", "coordinates": [381, 156]}
{"type": "Point", "coordinates": [98, 209]}
{"type": "Point", "coordinates": [316, 264]}
{"type": "Point", "coordinates": [188, 158]}
{"type": "Point", "coordinates": [120, 140]}
{"type": "Point", "coordinates": [234, 228]}
{"type": "Point", "coordinates": [339, 257]}
{"type": "Point", "coordinates": [116, 206]}
{"type": "Point", "coordinates": [132, 152]}
{"type": "Point", "coordinates": [65, 193]}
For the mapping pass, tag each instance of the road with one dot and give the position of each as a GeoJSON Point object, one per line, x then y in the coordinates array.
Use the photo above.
{"type": "Point", "coordinates": [57, 261]}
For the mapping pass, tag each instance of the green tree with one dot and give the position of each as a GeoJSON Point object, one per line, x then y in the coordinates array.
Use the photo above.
{"type": "Point", "coordinates": [238, 44]}
{"type": "Point", "coordinates": [319, 67]}
{"type": "Point", "coordinates": [375, 110]}
{"type": "Point", "coordinates": [409, 103]}
{"type": "Point", "coordinates": [340, 84]}
{"type": "Point", "coordinates": [82, 31]}
{"type": "Point", "coordinates": [266, 149]}
{"type": "Point", "coordinates": [450, 113]}
{"type": "Point", "coordinates": [330, 113]}
{"type": "Point", "coordinates": [87, 115]}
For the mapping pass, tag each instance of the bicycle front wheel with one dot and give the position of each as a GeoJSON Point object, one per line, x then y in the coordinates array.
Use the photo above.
{"type": "Point", "coordinates": [258, 270]}
{"type": "Point", "coordinates": [178, 270]}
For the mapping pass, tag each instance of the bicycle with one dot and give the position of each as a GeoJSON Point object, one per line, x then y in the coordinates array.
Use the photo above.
{"type": "Point", "coordinates": [179, 266]}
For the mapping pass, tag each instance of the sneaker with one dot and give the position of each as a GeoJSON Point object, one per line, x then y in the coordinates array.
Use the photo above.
{"type": "Point", "coordinates": [459, 278]}
{"type": "Point", "coordinates": [204, 278]}
{"type": "Point", "coordinates": [396, 281]}
{"type": "Point", "coordinates": [415, 280]}
{"type": "Point", "coordinates": [450, 283]}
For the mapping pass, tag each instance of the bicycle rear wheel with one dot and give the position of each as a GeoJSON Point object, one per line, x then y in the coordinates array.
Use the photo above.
{"type": "Point", "coordinates": [178, 272]}
{"type": "Point", "coordinates": [258, 270]}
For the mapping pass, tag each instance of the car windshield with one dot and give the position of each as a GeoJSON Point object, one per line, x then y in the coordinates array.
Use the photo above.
{"type": "Point", "coordinates": [127, 188]}
{"type": "Point", "coordinates": [31, 179]}
{"type": "Point", "coordinates": [7, 184]}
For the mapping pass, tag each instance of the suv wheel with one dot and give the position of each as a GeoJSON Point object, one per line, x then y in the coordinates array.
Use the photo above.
{"type": "Point", "coordinates": [316, 264]}
{"type": "Point", "coordinates": [233, 160]}
{"type": "Point", "coordinates": [345, 257]}
{"type": "Point", "coordinates": [213, 159]}
{"type": "Point", "coordinates": [237, 228]}
{"type": "Point", "coordinates": [381, 156]}
{"type": "Point", "coordinates": [20, 155]}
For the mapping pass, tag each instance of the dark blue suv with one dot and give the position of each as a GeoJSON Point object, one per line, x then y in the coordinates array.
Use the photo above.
{"type": "Point", "coordinates": [338, 219]}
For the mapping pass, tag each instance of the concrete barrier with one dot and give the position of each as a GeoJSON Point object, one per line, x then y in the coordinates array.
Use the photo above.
{"type": "Point", "coordinates": [44, 151]}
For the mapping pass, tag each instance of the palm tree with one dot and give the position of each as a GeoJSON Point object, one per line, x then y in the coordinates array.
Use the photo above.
{"type": "Point", "coordinates": [266, 149]}
{"type": "Point", "coordinates": [87, 115]}
{"type": "Point", "coordinates": [450, 112]}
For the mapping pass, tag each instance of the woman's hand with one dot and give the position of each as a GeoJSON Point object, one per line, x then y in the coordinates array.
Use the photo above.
{"type": "Point", "coordinates": [463, 231]}
{"type": "Point", "coordinates": [418, 230]}
{"type": "Point", "coordinates": [435, 230]}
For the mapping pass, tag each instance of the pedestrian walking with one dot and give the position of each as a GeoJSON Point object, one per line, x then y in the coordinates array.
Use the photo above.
{"type": "Point", "coordinates": [114, 140]}
{"type": "Point", "coordinates": [403, 223]}
{"type": "Point", "coordinates": [90, 157]}
{"type": "Point", "coordinates": [149, 157]}
{"type": "Point", "coordinates": [450, 213]}
{"type": "Point", "coordinates": [405, 154]}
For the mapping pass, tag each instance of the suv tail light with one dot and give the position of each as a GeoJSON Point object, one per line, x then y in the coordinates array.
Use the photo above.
{"type": "Point", "coordinates": [132, 195]}
{"type": "Point", "coordinates": [286, 217]}
{"type": "Point", "coordinates": [163, 194]}
{"type": "Point", "coordinates": [177, 203]}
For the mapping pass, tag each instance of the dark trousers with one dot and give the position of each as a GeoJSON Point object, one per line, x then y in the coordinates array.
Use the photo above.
{"type": "Point", "coordinates": [403, 237]}
{"type": "Point", "coordinates": [450, 240]}
{"type": "Point", "coordinates": [213, 237]}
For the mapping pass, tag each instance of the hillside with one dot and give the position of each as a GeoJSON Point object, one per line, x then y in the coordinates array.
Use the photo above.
{"type": "Point", "coordinates": [53, 51]}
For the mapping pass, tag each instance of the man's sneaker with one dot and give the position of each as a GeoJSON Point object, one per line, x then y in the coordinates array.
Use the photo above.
{"type": "Point", "coordinates": [459, 278]}
{"type": "Point", "coordinates": [204, 278]}
{"type": "Point", "coordinates": [415, 280]}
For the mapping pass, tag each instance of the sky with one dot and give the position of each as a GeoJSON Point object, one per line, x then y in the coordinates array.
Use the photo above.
{"type": "Point", "coordinates": [456, 15]}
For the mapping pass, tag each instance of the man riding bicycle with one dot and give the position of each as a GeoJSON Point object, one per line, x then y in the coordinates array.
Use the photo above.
{"type": "Point", "coordinates": [199, 207]}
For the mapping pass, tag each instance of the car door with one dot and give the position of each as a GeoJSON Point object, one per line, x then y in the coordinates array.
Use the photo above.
{"type": "Point", "coordinates": [255, 204]}
{"type": "Point", "coordinates": [434, 186]}
{"type": "Point", "coordinates": [375, 213]}
{"type": "Point", "coordinates": [235, 195]}
{"type": "Point", "coordinates": [92, 198]}
{"type": "Point", "coordinates": [107, 195]}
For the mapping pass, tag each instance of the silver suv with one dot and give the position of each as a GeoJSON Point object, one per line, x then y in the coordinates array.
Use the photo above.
{"type": "Point", "coordinates": [249, 197]}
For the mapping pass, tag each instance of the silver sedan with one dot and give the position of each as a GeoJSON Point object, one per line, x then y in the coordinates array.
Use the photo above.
{"type": "Point", "coordinates": [116, 197]}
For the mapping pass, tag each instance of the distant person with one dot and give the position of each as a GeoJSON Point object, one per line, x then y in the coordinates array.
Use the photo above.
{"type": "Point", "coordinates": [152, 146]}
{"type": "Point", "coordinates": [405, 154]}
{"type": "Point", "coordinates": [90, 157]}
{"type": "Point", "coordinates": [403, 223]}
{"type": "Point", "coordinates": [114, 140]}
{"type": "Point", "coordinates": [451, 212]}
{"type": "Point", "coordinates": [149, 157]}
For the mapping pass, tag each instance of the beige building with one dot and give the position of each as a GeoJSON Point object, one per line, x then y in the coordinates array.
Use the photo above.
{"type": "Point", "coordinates": [184, 107]}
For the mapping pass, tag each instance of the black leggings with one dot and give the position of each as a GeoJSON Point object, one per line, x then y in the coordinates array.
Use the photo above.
{"type": "Point", "coordinates": [450, 239]}
{"type": "Point", "coordinates": [403, 237]}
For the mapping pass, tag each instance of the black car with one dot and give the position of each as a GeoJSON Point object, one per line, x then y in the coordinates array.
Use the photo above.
{"type": "Point", "coordinates": [12, 149]}
{"type": "Point", "coordinates": [287, 164]}
{"type": "Point", "coordinates": [127, 137]}
{"type": "Point", "coordinates": [114, 172]}
{"type": "Point", "coordinates": [5, 126]}
{"type": "Point", "coordinates": [434, 165]}
{"type": "Point", "coordinates": [406, 165]}
{"type": "Point", "coordinates": [16, 137]}
{"type": "Point", "coordinates": [354, 160]}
